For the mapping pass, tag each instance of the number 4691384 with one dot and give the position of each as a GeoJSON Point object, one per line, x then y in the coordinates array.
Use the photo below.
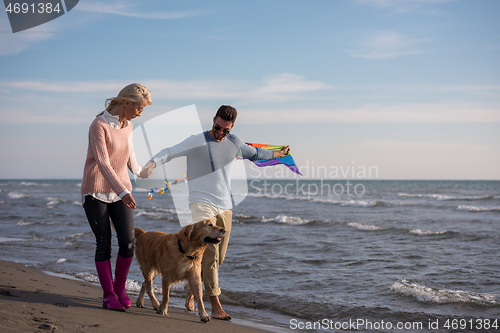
{"type": "Point", "coordinates": [40, 8]}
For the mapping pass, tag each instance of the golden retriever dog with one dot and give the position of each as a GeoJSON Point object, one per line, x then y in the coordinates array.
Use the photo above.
{"type": "Point", "coordinates": [177, 257]}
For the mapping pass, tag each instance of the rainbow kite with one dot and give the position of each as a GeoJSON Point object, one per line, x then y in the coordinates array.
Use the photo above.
{"type": "Point", "coordinates": [286, 160]}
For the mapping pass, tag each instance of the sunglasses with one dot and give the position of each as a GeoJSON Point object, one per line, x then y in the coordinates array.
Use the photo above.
{"type": "Point", "coordinates": [139, 110]}
{"type": "Point", "coordinates": [218, 129]}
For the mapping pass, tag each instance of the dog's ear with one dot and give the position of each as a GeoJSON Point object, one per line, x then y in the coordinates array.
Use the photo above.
{"type": "Point", "coordinates": [185, 233]}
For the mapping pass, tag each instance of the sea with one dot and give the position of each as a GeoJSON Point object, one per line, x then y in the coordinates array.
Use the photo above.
{"type": "Point", "coordinates": [305, 255]}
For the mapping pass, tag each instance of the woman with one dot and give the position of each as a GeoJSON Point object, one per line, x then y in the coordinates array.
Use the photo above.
{"type": "Point", "coordinates": [106, 189]}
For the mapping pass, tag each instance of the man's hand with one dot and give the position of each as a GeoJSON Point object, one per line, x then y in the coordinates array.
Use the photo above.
{"type": "Point", "coordinates": [282, 152]}
{"type": "Point", "coordinates": [147, 170]}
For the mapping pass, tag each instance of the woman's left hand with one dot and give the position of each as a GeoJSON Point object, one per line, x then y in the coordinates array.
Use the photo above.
{"type": "Point", "coordinates": [129, 201]}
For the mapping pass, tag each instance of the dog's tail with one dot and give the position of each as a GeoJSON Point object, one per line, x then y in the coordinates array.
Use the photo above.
{"type": "Point", "coordinates": [138, 232]}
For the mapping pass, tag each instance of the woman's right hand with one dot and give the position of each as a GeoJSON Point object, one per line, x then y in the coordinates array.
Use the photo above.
{"type": "Point", "coordinates": [129, 201]}
{"type": "Point", "coordinates": [147, 170]}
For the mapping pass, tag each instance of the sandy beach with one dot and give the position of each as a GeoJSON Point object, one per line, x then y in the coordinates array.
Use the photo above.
{"type": "Point", "coordinates": [32, 301]}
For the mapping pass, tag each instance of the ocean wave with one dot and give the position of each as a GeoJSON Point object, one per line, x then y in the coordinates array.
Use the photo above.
{"type": "Point", "coordinates": [364, 226]}
{"type": "Point", "coordinates": [292, 220]}
{"type": "Point", "coordinates": [475, 209]}
{"type": "Point", "coordinates": [17, 195]}
{"type": "Point", "coordinates": [444, 197]}
{"type": "Point", "coordinates": [77, 235]}
{"type": "Point", "coordinates": [89, 277]}
{"type": "Point", "coordinates": [33, 184]}
{"type": "Point", "coordinates": [269, 196]}
{"type": "Point", "coordinates": [426, 232]}
{"type": "Point", "coordinates": [361, 203]}
{"type": "Point", "coordinates": [426, 294]}
{"type": "Point", "coordinates": [9, 239]}
{"type": "Point", "coordinates": [156, 215]}
{"type": "Point", "coordinates": [52, 202]}
{"type": "Point", "coordinates": [243, 216]}
{"type": "Point", "coordinates": [25, 223]}
{"type": "Point", "coordinates": [325, 200]}
{"type": "Point", "coordinates": [162, 209]}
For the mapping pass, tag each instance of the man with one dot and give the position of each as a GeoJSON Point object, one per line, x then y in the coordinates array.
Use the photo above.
{"type": "Point", "coordinates": [209, 157]}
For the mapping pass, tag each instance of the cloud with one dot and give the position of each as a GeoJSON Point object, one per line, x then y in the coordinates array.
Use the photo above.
{"type": "Point", "coordinates": [402, 6]}
{"type": "Point", "coordinates": [308, 101]}
{"type": "Point", "coordinates": [377, 113]}
{"type": "Point", "coordinates": [11, 43]}
{"type": "Point", "coordinates": [62, 87]}
{"type": "Point", "coordinates": [387, 44]}
{"type": "Point", "coordinates": [280, 87]}
{"type": "Point", "coordinates": [412, 145]}
{"type": "Point", "coordinates": [387, 3]}
{"type": "Point", "coordinates": [124, 9]}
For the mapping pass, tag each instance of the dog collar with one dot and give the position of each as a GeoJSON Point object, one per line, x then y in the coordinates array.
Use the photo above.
{"type": "Point", "coordinates": [182, 250]}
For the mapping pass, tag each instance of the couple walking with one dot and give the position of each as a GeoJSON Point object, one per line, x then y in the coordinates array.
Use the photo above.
{"type": "Point", "coordinates": [106, 188]}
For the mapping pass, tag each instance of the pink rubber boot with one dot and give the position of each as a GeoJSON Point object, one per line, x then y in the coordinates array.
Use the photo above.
{"type": "Point", "coordinates": [121, 272]}
{"type": "Point", "coordinates": [109, 299]}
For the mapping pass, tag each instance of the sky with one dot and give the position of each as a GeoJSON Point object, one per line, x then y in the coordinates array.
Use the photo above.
{"type": "Point", "coordinates": [408, 88]}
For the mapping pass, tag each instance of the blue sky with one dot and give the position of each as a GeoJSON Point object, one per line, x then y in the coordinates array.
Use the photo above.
{"type": "Point", "coordinates": [411, 87]}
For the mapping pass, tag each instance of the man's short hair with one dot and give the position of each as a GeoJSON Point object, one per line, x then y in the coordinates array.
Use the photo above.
{"type": "Point", "coordinates": [227, 113]}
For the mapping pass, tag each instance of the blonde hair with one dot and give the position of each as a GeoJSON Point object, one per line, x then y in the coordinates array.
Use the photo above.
{"type": "Point", "coordinates": [133, 93]}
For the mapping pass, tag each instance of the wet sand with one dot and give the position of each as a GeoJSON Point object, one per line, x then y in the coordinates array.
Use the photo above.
{"type": "Point", "coordinates": [32, 301]}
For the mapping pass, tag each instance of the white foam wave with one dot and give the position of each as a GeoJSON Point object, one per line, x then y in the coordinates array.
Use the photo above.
{"type": "Point", "coordinates": [33, 184]}
{"type": "Point", "coordinates": [475, 209]}
{"type": "Point", "coordinates": [441, 296]}
{"type": "Point", "coordinates": [8, 239]}
{"type": "Point", "coordinates": [77, 235]}
{"type": "Point", "coordinates": [327, 200]}
{"type": "Point", "coordinates": [242, 216]}
{"type": "Point", "coordinates": [360, 203]}
{"type": "Point", "coordinates": [444, 197]}
{"type": "Point", "coordinates": [89, 277]}
{"type": "Point", "coordinates": [154, 215]}
{"type": "Point", "coordinates": [161, 209]}
{"type": "Point", "coordinates": [426, 232]}
{"type": "Point", "coordinates": [22, 223]}
{"type": "Point", "coordinates": [17, 195]}
{"type": "Point", "coordinates": [52, 201]}
{"type": "Point", "coordinates": [364, 226]}
{"type": "Point", "coordinates": [292, 220]}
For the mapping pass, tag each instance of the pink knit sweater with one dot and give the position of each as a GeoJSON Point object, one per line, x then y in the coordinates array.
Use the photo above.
{"type": "Point", "coordinates": [108, 155]}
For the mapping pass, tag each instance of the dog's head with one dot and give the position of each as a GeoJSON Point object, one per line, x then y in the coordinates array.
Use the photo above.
{"type": "Point", "coordinates": [203, 232]}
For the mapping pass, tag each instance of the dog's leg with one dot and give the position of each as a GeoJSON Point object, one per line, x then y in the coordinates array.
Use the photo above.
{"type": "Point", "coordinates": [140, 300]}
{"type": "Point", "coordinates": [148, 285]}
{"type": "Point", "coordinates": [195, 285]}
{"type": "Point", "coordinates": [163, 309]}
